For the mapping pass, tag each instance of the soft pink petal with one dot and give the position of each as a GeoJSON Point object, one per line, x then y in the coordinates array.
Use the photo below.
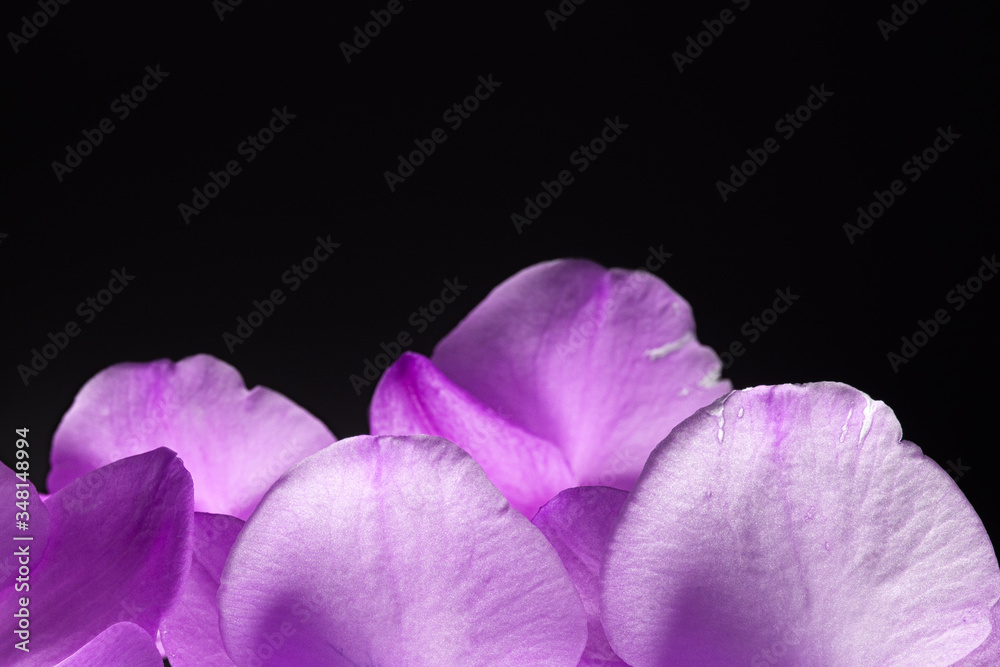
{"type": "Point", "coordinates": [190, 630]}
{"type": "Point", "coordinates": [604, 363]}
{"type": "Point", "coordinates": [413, 397]}
{"type": "Point", "coordinates": [36, 528]}
{"type": "Point", "coordinates": [234, 442]}
{"type": "Point", "coordinates": [395, 551]}
{"type": "Point", "coordinates": [121, 645]}
{"type": "Point", "coordinates": [794, 520]}
{"type": "Point", "coordinates": [986, 654]}
{"type": "Point", "coordinates": [578, 523]}
{"type": "Point", "coordinates": [119, 548]}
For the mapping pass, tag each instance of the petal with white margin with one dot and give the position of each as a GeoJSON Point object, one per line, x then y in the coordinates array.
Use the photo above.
{"type": "Point", "coordinates": [121, 645]}
{"type": "Point", "coordinates": [986, 654]}
{"type": "Point", "coordinates": [796, 517]}
{"type": "Point", "coordinates": [393, 551]}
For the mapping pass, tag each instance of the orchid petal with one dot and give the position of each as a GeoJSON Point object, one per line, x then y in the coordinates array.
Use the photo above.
{"type": "Point", "coordinates": [235, 442]}
{"type": "Point", "coordinates": [603, 362]}
{"type": "Point", "coordinates": [794, 521]}
{"type": "Point", "coordinates": [190, 631]}
{"type": "Point", "coordinates": [986, 654]}
{"type": "Point", "coordinates": [414, 397]}
{"type": "Point", "coordinates": [121, 645]}
{"type": "Point", "coordinates": [119, 548]}
{"type": "Point", "coordinates": [578, 523]}
{"type": "Point", "coordinates": [395, 551]}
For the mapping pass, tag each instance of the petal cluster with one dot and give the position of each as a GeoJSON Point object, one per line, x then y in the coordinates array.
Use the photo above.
{"type": "Point", "coordinates": [567, 374]}
{"type": "Point", "coordinates": [117, 551]}
{"type": "Point", "coordinates": [673, 521]}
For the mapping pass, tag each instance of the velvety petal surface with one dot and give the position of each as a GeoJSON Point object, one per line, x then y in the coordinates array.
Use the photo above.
{"type": "Point", "coordinates": [395, 551]}
{"type": "Point", "coordinates": [235, 442]}
{"type": "Point", "coordinates": [190, 631]}
{"type": "Point", "coordinates": [414, 397]}
{"type": "Point", "coordinates": [121, 645]}
{"type": "Point", "coordinates": [578, 523]}
{"type": "Point", "coordinates": [119, 548]}
{"type": "Point", "coordinates": [30, 519]}
{"type": "Point", "coordinates": [604, 363]}
{"type": "Point", "coordinates": [986, 654]}
{"type": "Point", "coordinates": [794, 523]}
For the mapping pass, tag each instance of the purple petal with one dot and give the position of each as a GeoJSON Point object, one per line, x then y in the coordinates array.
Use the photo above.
{"type": "Point", "coordinates": [121, 645]}
{"type": "Point", "coordinates": [395, 551]}
{"type": "Point", "coordinates": [190, 630]}
{"type": "Point", "coordinates": [578, 523]}
{"type": "Point", "coordinates": [35, 522]}
{"type": "Point", "coordinates": [602, 362]}
{"type": "Point", "coordinates": [234, 442]}
{"type": "Point", "coordinates": [794, 523]}
{"type": "Point", "coordinates": [119, 549]}
{"type": "Point", "coordinates": [414, 397]}
{"type": "Point", "coordinates": [986, 654]}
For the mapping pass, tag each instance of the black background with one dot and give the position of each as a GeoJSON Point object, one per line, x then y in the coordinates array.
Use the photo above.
{"type": "Point", "coordinates": [655, 186]}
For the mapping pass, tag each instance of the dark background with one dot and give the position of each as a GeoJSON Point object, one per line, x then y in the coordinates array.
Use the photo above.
{"type": "Point", "coordinates": [655, 186]}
